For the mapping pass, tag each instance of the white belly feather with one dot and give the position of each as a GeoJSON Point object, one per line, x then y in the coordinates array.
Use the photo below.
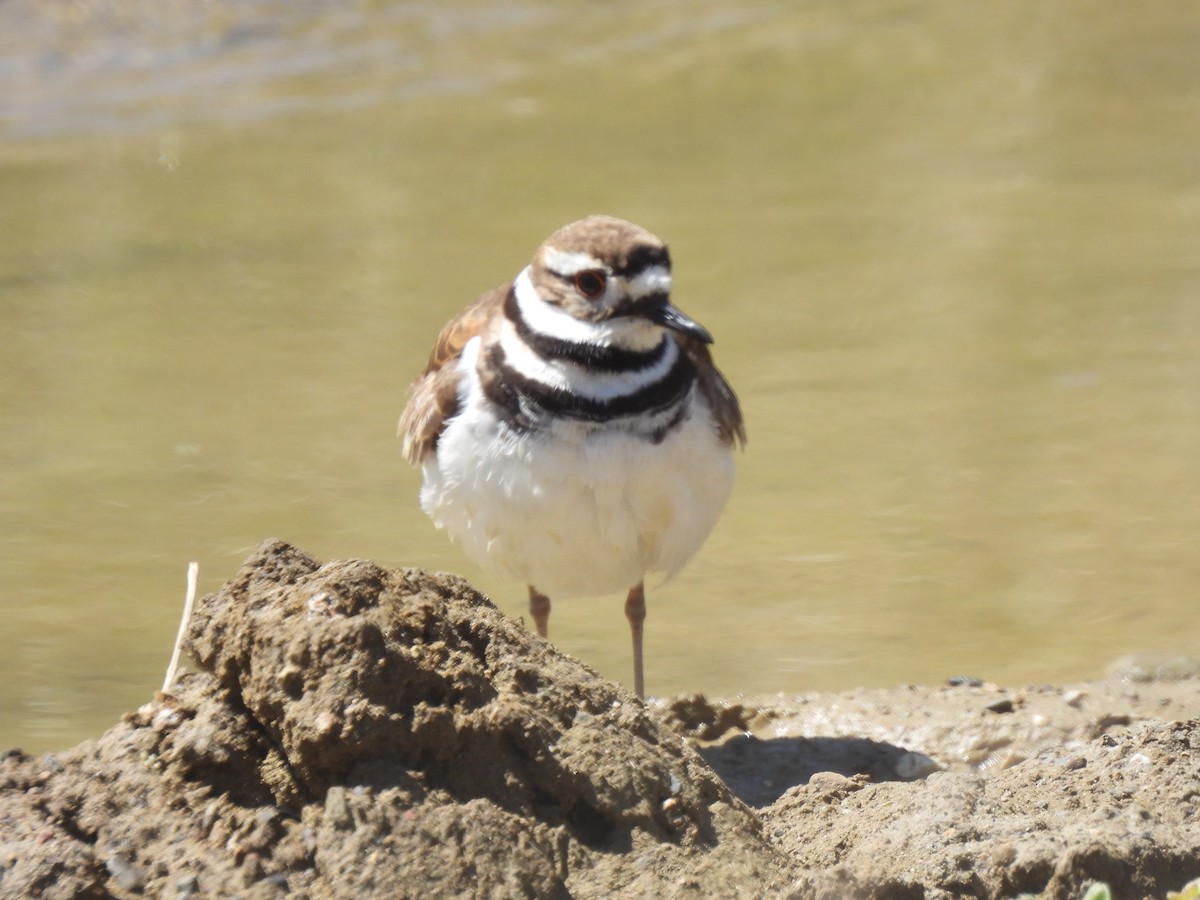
{"type": "Point", "coordinates": [575, 511]}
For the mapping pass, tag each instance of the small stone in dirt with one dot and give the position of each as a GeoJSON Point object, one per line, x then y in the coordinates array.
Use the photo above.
{"type": "Point", "coordinates": [1002, 854]}
{"type": "Point", "coordinates": [187, 886]}
{"type": "Point", "coordinates": [125, 873]}
{"type": "Point", "coordinates": [278, 880]}
{"type": "Point", "coordinates": [834, 785]}
{"type": "Point", "coordinates": [964, 681]}
{"type": "Point", "coordinates": [337, 810]}
{"type": "Point", "coordinates": [828, 781]}
{"type": "Point", "coordinates": [1002, 706]}
{"type": "Point", "coordinates": [913, 766]}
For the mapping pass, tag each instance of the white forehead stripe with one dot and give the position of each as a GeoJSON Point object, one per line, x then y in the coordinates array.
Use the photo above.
{"type": "Point", "coordinates": [654, 280]}
{"type": "Point", "coordinates": [568, 264]}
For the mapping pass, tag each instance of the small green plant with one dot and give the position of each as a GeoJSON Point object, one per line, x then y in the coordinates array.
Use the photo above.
{"type": "Point", "coordinates": [1101, 891]}
{"type": "Point", "coordinates": [1191, 891]}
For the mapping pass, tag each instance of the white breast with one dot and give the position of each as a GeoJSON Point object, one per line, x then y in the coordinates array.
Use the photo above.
{"type": "Point", "coordinates": [576, 510]}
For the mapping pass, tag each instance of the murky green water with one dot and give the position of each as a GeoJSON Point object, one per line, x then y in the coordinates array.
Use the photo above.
{"type": "Point", "coordinates": [951, 257]}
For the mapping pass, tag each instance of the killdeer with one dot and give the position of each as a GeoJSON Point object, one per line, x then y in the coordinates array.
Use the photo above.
{"type": "Point", "coordinates": [571, 427]}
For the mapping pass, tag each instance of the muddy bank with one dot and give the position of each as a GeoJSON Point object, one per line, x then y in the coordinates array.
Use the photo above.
{"type": "Point", "coordinates": [360, 731]}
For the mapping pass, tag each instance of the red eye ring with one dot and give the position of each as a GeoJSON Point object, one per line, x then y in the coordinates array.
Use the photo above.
{"type": "Point", "coordinates": [591, 283]}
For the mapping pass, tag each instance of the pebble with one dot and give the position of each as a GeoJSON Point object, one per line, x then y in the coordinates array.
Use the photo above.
{"type": "Point", "coordinates": [166, 719]}
{"type": "Point", "coordinates": [1003, 855]}
{"type": "Point", "coordinates": [209, 817]}
{"type": "Point", "coordinates": [1074, 698]}
{"type": "Point", "coordinates": [323, 604]}
{"type": "Point", "coordinates": [913, 766]}
{"type": "Point", "coordinates": [964, 681]}
{"type": "Point", "coordinates": [252, 869]}
{"type": "Point", "coordinates": [125, 873]}
{"type": "Point", "coordinates": [337, 810]}
{"type": "Point", "coordinates": [267, 815]}
{"type": "Point", "coordinates": [828, 782]}
{"type": "Point", "coordinates": [327, 723]}
{"type": "Point", "coordinates": [583, 718]}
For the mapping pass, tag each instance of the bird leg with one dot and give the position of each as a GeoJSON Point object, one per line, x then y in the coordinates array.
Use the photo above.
{"type": "Point", "coordinates": [635, 612]}
{"type": "Point", "coordinates": [539, 608]}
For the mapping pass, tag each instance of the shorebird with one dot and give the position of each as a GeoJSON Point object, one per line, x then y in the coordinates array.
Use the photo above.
{"type": "Point", "coordinates": [572, 430]}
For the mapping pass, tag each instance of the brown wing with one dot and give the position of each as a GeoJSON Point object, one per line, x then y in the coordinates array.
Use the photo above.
{"type": "Point", "coordinates": [716, 390]}
{"type": "Point", "coordinates": [434, 397]}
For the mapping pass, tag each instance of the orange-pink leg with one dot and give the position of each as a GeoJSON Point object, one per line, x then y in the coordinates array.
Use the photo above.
{"type": "Point", "coordinates": [635, 612]}
{"type": "Point", "coordinates": [539, 608]}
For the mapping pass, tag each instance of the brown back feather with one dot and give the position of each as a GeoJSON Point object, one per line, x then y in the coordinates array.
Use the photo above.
{"type": "Point", "coordinates": [434, 397]}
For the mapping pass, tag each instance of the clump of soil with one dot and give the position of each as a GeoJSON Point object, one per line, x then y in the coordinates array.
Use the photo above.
{"type": "Point", "coordinates": [360, 731]}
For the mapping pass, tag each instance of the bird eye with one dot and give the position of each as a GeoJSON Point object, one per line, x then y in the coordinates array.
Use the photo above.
{"type": "Point", "coordinates": [591, 283]}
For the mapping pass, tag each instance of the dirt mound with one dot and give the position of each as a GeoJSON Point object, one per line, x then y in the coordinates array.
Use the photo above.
{"type": "Point", "coordinates": [364, 732]}
{"type": "Point", "coordinates": [368, 732]}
